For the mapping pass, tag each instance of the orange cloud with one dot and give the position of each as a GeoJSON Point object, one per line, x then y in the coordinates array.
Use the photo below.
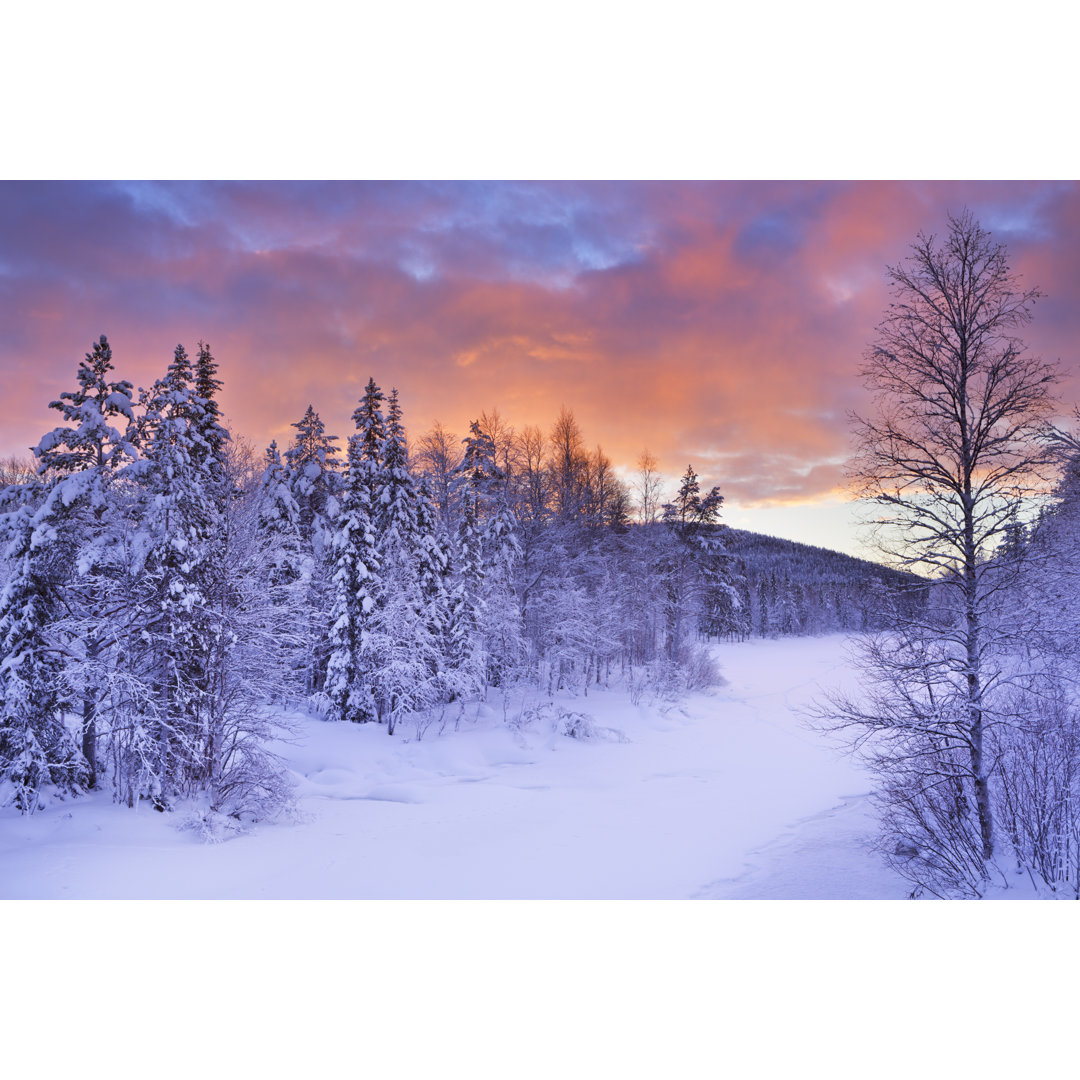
{"type": "Point", "coordinates": [721, 325]}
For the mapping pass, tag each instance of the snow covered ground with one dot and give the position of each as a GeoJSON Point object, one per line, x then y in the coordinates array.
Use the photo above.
{"type": "Point", "coordinates": [725, 795]}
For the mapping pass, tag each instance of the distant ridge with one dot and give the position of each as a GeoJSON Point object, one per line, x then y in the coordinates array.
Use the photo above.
{"type": "Point", "coordinates": [787, 588]}
{"type": "Point", "coordinates": [773, 551]}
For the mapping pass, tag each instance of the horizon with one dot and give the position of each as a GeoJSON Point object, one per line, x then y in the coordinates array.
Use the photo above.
{"type": "Point", "coordinates": [718, 324]}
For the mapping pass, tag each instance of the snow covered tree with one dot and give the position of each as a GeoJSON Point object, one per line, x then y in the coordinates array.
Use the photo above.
{"type": "Point", "coordinates": [175, 577]}
{"type": "Point", "coordinates": [464, 645]}
{"type": "Point", "coordinates": [316, 487]}
{"type": "Point", "coordinates": [278, 525]}
{"type": "Point", "coordinates": [208, 637]}
{"type": "Point", "coordinates": [83, 458]}
{"type": "Point", "coordinates": [405, 674]}
{"type": "Point", "coordinates": [371, 427]}
{"type": "Point", "coordinates": [257, 635]}
{"type": "Point", "coordinates": [89, 443]}
{"type": "Point", "coordinates": [209, 447]}
{"type": "Point", "coordinates": [501, 619]}
{"type": "Point", "coordinates": [356, 568]}
{"type": "Point", "coordinates": [38, 756]}
{"type": "Point", "coordinates": [696, 561]}
{"type": "Point", "coordinates": [1036, 779]}
{"type": "Point", "coordinates": [727, 608]}
{"type": "Point", "coordinates": [313, 479]}
{"type": "Point", "coordinates": [485, 611]}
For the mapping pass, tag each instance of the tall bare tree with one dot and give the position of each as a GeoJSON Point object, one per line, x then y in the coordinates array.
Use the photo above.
{"type": "Point", "coordinates": [648, 486]}
{"type": "Point", "coordinates": [949, 458]}
{"type": "Point", "coordinates": [438, 457]}
{"type": "Point", "coordinates": [567, 465]}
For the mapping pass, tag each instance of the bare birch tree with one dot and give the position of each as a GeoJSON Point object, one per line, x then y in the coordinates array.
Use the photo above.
{"type": "Point", "coordinates": [648, 485]}
{"type": "Point", "coordinates": [949, 458]}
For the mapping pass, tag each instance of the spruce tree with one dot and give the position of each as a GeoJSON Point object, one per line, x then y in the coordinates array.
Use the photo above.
{"type": "Point", "coordinates": [355, 585]}
{"type": "Point", "coordinates": [278, 525]}
{"type": "Point", "coordinates": [175, 583]}
{"type": "Point", "coordinates": [38, 755]}
{"type": "Point", "coordinates": [316, 486]}
{"type": "Point", "coordinates": [84, 457]}
{"type": "Point", "coordinates": [696, 563]}
{"type": "Point", "coordinates": [370, 425]}
{"type": "Point", "coordinates": [210, 446]}
{"type": "Point", "coordinates": [465, 619]}
{"type": "Point", "coordinates": [313, 477]}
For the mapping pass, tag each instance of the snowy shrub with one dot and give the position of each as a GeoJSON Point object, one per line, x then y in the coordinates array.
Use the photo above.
{"type": "Point", "coordinates": [1038, 788]}
{"type": "Point", "coordinates": [556, 718]}
{"type": "Point", "coordinates": [928, 834]}
{"type": "Point", "coordinates": [698, 668]}
{"type": "Point", "coordinates": [210, 826]}
{"type": "Point", "coordinates": [664, 679]}
{"type": "Point", "coordinates": [321, 705]}
{"type": "Point", "coordinates": [909, 723]}
{"type": "Point", "coordinates": [636, 684]}
{"type": "Point", "coordinates": [538, 712]}
{"type": "Point", "coordinates": [247, 779]}
{"type": "Point", "coordinates": [576, 725]}
{"type": "Point", "coordinates": [668, 680]}
{"type": "Point", "coordinates": [426, 717]}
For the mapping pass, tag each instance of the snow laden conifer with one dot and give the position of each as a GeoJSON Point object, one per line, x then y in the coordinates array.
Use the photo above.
{"type": "Point", "coordinates": [80, 461]}
{"type": "Point", "coordinates": [406, 674]}
{"type": "Point", "coordinates": [695, 562]}
{"type": "Point", "coordinates": [371, 432]}
{"type": "Point", "coordinates": [278, 524]}
{"type": "Point", "coordinates": [210, 461]}
{"type": "Point", "coordinates": [315, 482]}
{"type": "Point", "coordinates": [312, 463]}
{"type": "Point", "coordinates": [355, 582]}
{"type": "Point", "coordinates": [250, 629]}
{"type": "Point", "coordinates": [168, 751]}
{"type": "Point", "coordinates": [38, 755]}
{"type": "Point", "coordinates": [209, 448]}
{"type": "Point", "coordinates": [464, 633]}
{"type": "Point", "coordinates": [433, 554]}
{"type": "Point", "coordinates": [500, 547]}
{"type": "Point", "coordinates": [484, 615]}
{"type": "Point", "coordinates": [88, 443]}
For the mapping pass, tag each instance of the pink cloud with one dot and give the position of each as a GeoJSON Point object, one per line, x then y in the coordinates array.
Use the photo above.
{"type": "Point", "coordinates": [721, 325]}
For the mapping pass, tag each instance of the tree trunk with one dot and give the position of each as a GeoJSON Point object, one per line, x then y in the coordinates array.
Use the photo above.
{"type": "Point", "coordinates": [973, 629]}
{"type": "Point", "coordinates": [89, 727]}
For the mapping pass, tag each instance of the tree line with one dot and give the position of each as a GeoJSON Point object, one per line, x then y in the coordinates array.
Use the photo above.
{"type": "Point", "coordinates": [166, 591]}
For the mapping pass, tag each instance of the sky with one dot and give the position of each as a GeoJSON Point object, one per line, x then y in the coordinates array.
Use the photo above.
{"type": "Point", "coordinates": [719, 324]}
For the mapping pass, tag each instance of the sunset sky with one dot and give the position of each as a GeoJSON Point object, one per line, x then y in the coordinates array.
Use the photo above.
{"type": "Point", "coordinates": [719, 324]}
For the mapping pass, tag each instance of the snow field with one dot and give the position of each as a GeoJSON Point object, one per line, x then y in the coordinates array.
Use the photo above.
{"type": "Point", "coordinates": [724, 795]}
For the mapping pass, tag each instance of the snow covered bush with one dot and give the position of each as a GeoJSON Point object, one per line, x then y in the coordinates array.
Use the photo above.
{"type": "Point", "coordinates": [576, 725]}
{"type": "Point", "coordinates": [1038, 785]}
{"type": "Point", "coordinates": [698, 668]}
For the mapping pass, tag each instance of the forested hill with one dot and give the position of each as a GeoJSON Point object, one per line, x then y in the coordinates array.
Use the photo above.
{"type": "Point", "coordinates": [792, 588]}
{"type": "Point", "coordinates": [808, 562]}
